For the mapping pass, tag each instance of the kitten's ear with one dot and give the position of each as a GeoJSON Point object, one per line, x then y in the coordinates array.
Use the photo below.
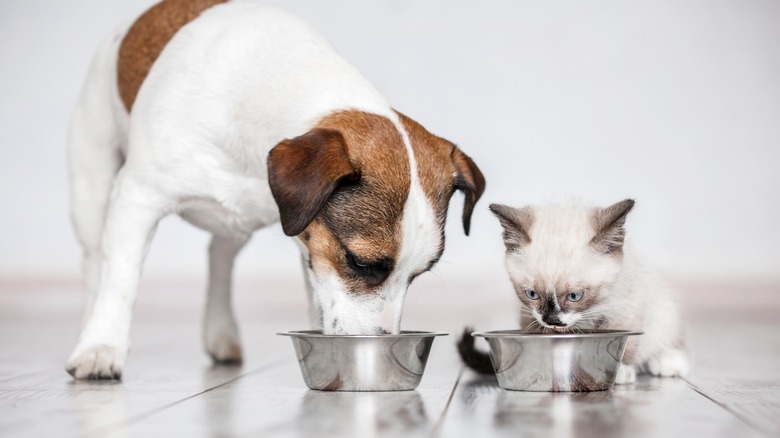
{"type": "Point", "coordinates": [609, 224]}
{"type": "Point", "coordinates": [516, 223]}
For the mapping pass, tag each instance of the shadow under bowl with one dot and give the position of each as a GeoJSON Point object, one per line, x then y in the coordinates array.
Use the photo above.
{"type": "Point", "coordinates": [556, 362]}
{"type": "Point", "coordinates": [362, 362]}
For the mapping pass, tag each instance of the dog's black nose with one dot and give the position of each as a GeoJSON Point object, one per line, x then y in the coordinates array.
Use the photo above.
{"type": "Point", "coordinates": [552, 320]}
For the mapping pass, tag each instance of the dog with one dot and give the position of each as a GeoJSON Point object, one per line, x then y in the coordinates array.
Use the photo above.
{"type": "Point", "coordinates": [236, 116]}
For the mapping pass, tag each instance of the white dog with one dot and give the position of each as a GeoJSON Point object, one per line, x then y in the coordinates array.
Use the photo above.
{"type": "Point", "coordinates": [236, 116]}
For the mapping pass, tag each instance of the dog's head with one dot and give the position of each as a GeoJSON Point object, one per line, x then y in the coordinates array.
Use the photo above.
{"type": "Point", "coordinates": [368, 217]}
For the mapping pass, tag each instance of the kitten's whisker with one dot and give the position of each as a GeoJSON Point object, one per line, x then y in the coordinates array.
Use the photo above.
{"type": "Point", "coordinates": [600, 309]}
{"type": "Point", "coordinates": [530, 325]}
{"type": "Point", "coordinates": [537, 324]}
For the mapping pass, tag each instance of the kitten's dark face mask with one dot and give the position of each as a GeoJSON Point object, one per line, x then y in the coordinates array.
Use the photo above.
{"type": "Point", "coordinates": [563, 311]}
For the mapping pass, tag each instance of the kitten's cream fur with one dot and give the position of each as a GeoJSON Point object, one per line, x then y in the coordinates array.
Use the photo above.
{"type": "Point", "coordinates": [560, 249]}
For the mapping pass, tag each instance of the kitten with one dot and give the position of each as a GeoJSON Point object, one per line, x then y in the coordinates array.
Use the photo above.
{"type": "Point", "coordinates": [572, 272]}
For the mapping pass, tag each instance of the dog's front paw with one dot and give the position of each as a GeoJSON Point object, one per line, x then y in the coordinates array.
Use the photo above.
{"type": "Point", "coordinates": [626, 374]}
{"type": "Point", "coordinates": [96, 361]}
{"type": "Point", "coordinates": [672, 363]}
{"type": "Point", "coordinates": [222, 342]}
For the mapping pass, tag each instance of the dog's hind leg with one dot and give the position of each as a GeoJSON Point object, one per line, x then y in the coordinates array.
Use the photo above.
{"type": "Point", "coordinates": [98, 134]}
{"type": "Point", "coordinates": [220, 332]}
{"type": "Point", "coordinates": [134, 210]}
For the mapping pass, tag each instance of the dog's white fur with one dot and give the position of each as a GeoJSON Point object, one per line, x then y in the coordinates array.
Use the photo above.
{"type": "Point", "coordinates": [200, 151]}
{"type": "Point", "coordinates": [632, 297]}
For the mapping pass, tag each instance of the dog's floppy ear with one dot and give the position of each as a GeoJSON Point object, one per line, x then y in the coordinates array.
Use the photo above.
{"type": "Point", "coordinates": [303, 172]}
{"type": "Point", "coordinates": [470, 181]}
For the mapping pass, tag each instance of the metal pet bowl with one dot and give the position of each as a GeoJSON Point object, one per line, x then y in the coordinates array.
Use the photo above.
{"type": "Point", "coordinates": [556, 361]}
{"type": "Point", "coordinates": [362, 362]}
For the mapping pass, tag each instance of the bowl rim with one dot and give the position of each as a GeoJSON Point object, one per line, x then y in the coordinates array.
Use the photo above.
{"type": "Point", "coordinates": [403, 334]}
{"type": "Point", "coordinates": [535, 335]}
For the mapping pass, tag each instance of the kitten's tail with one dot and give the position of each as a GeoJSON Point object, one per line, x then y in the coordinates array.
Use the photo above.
{"type": "Point", "coordinates": [473, 358]}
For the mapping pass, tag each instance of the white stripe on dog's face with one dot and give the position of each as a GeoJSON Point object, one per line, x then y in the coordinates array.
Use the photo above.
{"type": "Point", "coordinates": [421, 245]}
{"type": "Point", "coordinates": [384, 221]}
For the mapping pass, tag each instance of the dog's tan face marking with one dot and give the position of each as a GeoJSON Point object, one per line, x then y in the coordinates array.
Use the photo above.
{"type": "Point", "coordinates": [434, 166]}
{"type": "Point", "coordinates": [367, 197]}
{"type": "Point", "coordinates": [443, 168]}
{"type": "Point", "coordinates": [358, 232]}
{"type": "Point", "coordinates": [146, 39]}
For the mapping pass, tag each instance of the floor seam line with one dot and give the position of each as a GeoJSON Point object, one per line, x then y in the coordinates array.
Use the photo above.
{"type": "Point", "coordinates": [725, 407]}
{"type": "Point", "coordinates": [440, 422]}
{"type": "Point", "coordinates": [110, 428]}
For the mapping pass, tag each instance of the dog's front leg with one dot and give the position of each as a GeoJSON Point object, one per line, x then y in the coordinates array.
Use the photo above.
{"type": "Point", "coordinates": [132, 217]}
{"type": "Point", "coordinates": [220, 332]}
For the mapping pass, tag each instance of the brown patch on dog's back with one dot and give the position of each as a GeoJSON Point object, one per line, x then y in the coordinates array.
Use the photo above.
{"type": "Point", "coordinates": [146, 39]}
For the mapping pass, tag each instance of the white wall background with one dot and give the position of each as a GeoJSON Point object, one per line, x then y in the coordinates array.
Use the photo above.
{"type": "Point", "coordinates": [674, 103]}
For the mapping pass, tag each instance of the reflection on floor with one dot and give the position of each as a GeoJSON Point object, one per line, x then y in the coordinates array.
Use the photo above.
{"type": "Point", "coordinates": [169, 387]}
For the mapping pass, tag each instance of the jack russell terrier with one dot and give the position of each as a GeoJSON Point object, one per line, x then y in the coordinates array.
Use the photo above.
{"type": "Point", "coordinates": [236, 116]}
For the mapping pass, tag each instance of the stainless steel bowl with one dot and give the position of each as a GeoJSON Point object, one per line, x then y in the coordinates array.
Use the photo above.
{"type": "Point", "coordinates": [556, 361]}
{"type": "Point", "coordinates": [362, 362]}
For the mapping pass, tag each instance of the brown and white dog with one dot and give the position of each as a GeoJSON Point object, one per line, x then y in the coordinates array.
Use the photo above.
{"type": "Point", "coordinates": [236, 116]}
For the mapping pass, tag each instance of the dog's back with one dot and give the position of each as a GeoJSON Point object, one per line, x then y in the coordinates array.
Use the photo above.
{"type": "Point", "coordinates": [236, 116]}
{"type": "Point", "coordinates": [146, 39]}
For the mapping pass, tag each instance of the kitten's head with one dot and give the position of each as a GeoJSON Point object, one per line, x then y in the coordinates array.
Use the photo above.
{"type": "Point", "coordinates": [562, 260]}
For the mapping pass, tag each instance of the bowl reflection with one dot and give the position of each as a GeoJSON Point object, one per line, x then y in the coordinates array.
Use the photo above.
{"type": "Point", "coordinates": [363, 414]}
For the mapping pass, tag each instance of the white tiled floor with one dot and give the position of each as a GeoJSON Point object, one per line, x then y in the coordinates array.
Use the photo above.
{"type": "Point", "coordinates": [170, 388]}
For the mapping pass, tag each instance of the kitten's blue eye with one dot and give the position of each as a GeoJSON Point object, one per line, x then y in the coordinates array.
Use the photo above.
{"type": "Point", "coordinates": [532, 294]}
{"type": "Point", "coordinates": [575, 296]}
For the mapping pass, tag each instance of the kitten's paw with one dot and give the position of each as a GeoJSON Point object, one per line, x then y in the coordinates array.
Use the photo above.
{"type": "Point", "coordinates": [626, 374]}
{"type": "Point", "coordinates": [98, 361]}
{"type": "Point", "coordinates": [671, 363]}
{"type": "Point", "coordinates": [222, 342]}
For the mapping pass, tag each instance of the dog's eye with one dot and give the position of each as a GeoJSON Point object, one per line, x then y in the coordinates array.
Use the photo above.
{"type": "Point", "coordinates": [373, 272]}
{"type": "Point", "coordinates": [532, 294]}
{"type": "Point", "coordinates": [575, 296]}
